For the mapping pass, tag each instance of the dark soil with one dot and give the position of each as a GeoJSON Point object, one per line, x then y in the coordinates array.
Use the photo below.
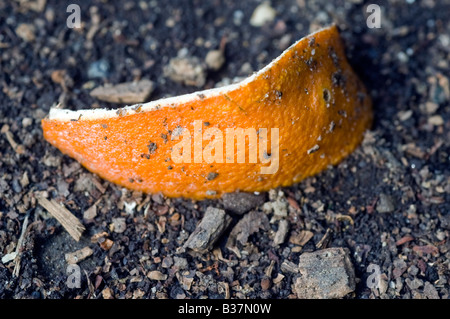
{"type": "Point", "coordinates": [388, 203]}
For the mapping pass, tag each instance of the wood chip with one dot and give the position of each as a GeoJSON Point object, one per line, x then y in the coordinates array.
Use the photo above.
{"type": "Point", "coordinates": [301, 238]}
{"type": "Point", "coordinates": [226, 288]}
{"type": "Point", "coordinates": [90, 213]}
{"type": "Point", "coordinates": [98, 185]}
{"type": "Point", "coordinates": [325, 240]}
{"type": "Point", "coordinates": [70, 223]}
{"type": "Point", "coordinates": [156, 275]}
{"type": "Point", "coordinates": [185, 279]}
{"type": "Point", "coordinates": [128, 93]}
{"type": "Point", "coordinates": [279, 278]}
{"type": "Point", "coordinates": [107, 294]}
{"type": "Point", "coordinates": [293, 203]}
{"type": "Point", "coordinates": [9, 257]}
{"type": "Point", "coordinates": [24, 181]}
{"type": "Point", "coordinates": [208, 230]}
{"type": "Point", "coordinates": [251, 223]}
{"type": "Point", "coordinates": [106, 244]}
{"type": "Point", "coordinates": [414, 150]}
{"type": "Point", "coordinates": [426, 249]}
{"type": "Point", "coordinates": [280, 235]}
{"type": "Point", "coordinates": [289, 267]}
{"type": "Point", "coordinates": [96, 237]}
{"type": "Point", "coordinates": [404, 240]}
{"type": "Point", "coordinates": [79, 255]}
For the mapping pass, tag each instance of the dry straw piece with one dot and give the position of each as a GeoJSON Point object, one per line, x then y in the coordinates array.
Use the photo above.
{"type": "Point", "coordinates": [70, 223]}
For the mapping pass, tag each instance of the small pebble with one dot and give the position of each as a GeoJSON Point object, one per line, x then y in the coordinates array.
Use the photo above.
{"type": "Point", "coordinates": [385, 204]}
{"type": "Point", "coordinates": [431, 107]}
{"type": "Point", "coordinates": [26, 121]}
{"type": "Point", "coordinates": [262, 14]}
{"type": "Point", "coordinates": [99, 69]}
{"type": "Point", "coordinates": [26, 31]}
{"type": "Point", "coordinates": [436, 120]}
{"type": "Point", "coordinates": [186, 70]}
{"type": "Point", "coordinates": [120, 224]}
{"type": "Point", "coordinates": [266, 282]}
{"type": "Point", "coordinates": [215, 59]}
{"type": "Point", "coordinates": [402, 57]}
{"type": "Point", "coordinates": [238, 15]}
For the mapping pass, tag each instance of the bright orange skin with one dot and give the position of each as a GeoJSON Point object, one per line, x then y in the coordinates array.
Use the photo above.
{"type": "Point", "coordinates": [301, 114]}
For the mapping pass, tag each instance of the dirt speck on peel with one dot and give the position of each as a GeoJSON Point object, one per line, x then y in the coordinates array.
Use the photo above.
{"type": "Point", "coordinates": [387, 203]}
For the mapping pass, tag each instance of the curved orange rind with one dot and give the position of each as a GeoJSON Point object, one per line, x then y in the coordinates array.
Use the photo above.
{"type": "Point", "coordinates": [304, 111]}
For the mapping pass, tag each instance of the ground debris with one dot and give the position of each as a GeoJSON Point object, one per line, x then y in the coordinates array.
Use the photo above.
{"type": "Point", "coordinates": [119, 225]}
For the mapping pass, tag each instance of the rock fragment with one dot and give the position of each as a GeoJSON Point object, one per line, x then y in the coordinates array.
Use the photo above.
{"type": "Point", "coordinates": [119, 224]}
{"type": "Point", "coordinates": [262, 14]}
{"type": "Point", "coordinates": [187, 70]}
{"type": "Point", "coordinates": [385, 204]}
{"type": "Point", "coordinates": [325, 274]}
{"type": "Point", "coordinates": [128, 92]}
{"type": "Point", "coordinates": [90, 213]}
{"type": "Point", "coordinates": [99, 69]}
{"type": "Point", "coordinates": [26, 32]}
{"type": "Point", "coordinates": [215, 59]}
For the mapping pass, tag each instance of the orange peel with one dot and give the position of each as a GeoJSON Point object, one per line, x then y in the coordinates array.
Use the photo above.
{"type": "Point", "coordinates": [309, 95]}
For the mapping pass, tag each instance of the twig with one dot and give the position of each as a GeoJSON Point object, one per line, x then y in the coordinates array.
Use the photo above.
{"type": "Point", "coordinates": [19, 247]}
{"type": "Point", "coordinates": [323, 243]}
{"type": "Point", "coordinates": [9, 137]}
